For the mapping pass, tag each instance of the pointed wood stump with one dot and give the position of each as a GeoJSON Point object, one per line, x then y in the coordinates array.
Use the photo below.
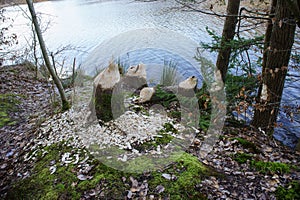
{"type": "Point", "coordinates": [104, 85]}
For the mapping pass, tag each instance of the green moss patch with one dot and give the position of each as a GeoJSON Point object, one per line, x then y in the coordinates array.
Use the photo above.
{"type": "Point", "coordinates": [290, 192]}
{"type": "Point", "coordinates": [8, 104]}
{"type": "Point", "coordinates": [242, 158]}
{"type": "Point", "coordinates": [186, 175]}
{"type": "Point", "coordinates": [270, 167]}
{"type": "Point", "coordinates": [247, 145]}
{"type": "Point", "coordinates": [109, 183]}
{"type": "Point", "coordinates": [43, 184]}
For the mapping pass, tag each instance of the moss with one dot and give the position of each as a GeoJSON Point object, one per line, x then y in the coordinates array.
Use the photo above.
{"type": "Point", "coordinates": [189, 173]}
{"type": "Point", "coordinates": [44, 185]}
{"type": "Point", "coordinates": [164, 139]}
{"type": "Point", "coordinates": [109, 179]}
{"type": "Point", "coordinates": [64, 183]}
{"type": "Point", "coordinates": [175, 114]}
{"type": "Point", "coordinates": [169, 128]}
{"type": "Point", "coordinates": [270, 167]}
{"type": "Point", "coordinates": [291, 192]}
{"type": "Point", "coordinates": [247, 145]}
{"type": "Point", "coordinates": [8, 104]}
{"type": "Point", "coordinates": [242, 157]}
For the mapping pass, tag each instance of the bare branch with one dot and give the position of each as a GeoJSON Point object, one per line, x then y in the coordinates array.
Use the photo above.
{"type": "Point", "coordinates": [222, 15]}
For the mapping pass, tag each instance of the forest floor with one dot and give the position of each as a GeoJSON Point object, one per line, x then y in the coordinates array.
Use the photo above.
{"type": "Point", "coordinates": [41, 158]}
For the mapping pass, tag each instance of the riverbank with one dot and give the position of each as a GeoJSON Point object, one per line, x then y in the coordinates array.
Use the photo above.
{"type": "Point", "coordinates": [24, 104]}
{"type": "Point", "coordinates": [43, 156]}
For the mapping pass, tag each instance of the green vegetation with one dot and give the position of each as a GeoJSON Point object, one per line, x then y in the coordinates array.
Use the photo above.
{"type": "Point", "coordinates": [8, 103]}
{"type": "Point", "coordinates": [240, 87]}
{"type": "Point", "coordinates": [270, 167]}
{"type": "Point", "coordinates": [205, 107]}
{"type": "Point", "coordinates": [44, 185]}
{"type": "Point", "coordinates": [291, 192]}
{"type": "Point", "coordinates": [204, 103]}
{"type": "Point", "coordinates": [239, 49]}
{"type": "Point", "coordinates": [242, 158]}
{"type": "Point", "coordinates": [187, 173]}
{"type": "Point", "coordinates": [247, 145]}
{"type": "Point", "coordinates": [169, 128]}
{"type": "Point", "coordinates": [169, 74]}
{"type": "Point", "coordinates": [261, 166]}
{"type": "Point", "coordinates": [175, 114]}
{"type": "Point", "coordinates": [240, 92]}
{"type": "Point", "coordinates": [63, 183]}
{"type": "Point", "coordinates": [165, 98]}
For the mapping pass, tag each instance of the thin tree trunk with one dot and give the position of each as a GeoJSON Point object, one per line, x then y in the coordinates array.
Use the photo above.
{"type": "Point", "coordinates": [278, 55]}
{"type": "Point", "coordinates": [227, 36]}
{"type": "Point", "coordinates": [267, 40]}
{"type": "Point", "coordinates": [65, 103]}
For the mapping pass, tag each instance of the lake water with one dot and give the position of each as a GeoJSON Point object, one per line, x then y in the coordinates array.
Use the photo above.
{"type": "Point", "coordinates": [135, 32]}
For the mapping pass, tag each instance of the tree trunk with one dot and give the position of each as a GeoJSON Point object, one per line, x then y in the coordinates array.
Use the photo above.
{"type": "Point", "coordinates": [65, 103]}
{"type": "Point", "coordinates": [267, 41]}
{"type": "Point", "coordinates": [227, 36]}
{"type": "Point", "coordinates": [278, 55]}
{"type": "Point", "coordinates": [295, 8]}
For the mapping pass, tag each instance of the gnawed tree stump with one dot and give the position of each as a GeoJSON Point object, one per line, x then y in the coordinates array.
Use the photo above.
{"type": "Point", "coordinates": [133, 81]}
{"type": "Point", "coordinates": [185, 88]}
{"type": "Point", "coordinates": [135, 78]}
{"type": "Point", "coordinates": [110, 90]}
{"type": "Point", "coordinates": [104, 85]}
{"type": "Point", "coordinates": [184, 94]}
{"type": "Point", "coordinates": [188, 87]}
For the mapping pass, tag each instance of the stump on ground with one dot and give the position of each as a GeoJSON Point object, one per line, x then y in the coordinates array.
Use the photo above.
{"type": "Point", "coordinates": [187, 87]}
{"type": "Point", "coordinates": [110, 90]}
{"type": "Point", "coordinates": [104, 85]}
{"type": "Point", "coordinates": [135, 78]}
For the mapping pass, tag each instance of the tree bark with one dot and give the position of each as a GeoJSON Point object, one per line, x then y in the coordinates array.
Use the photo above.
{"type": "Point", "coordinates": [267, 41]}
{"type": "Point", "coordinates": [65, 103]}
{"type": "Point", "coordinates": [278, 55]}
{"type": "Point", "coordinates": [295, 8]}
{"type": "Point", "coordinates": [227, 36]}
